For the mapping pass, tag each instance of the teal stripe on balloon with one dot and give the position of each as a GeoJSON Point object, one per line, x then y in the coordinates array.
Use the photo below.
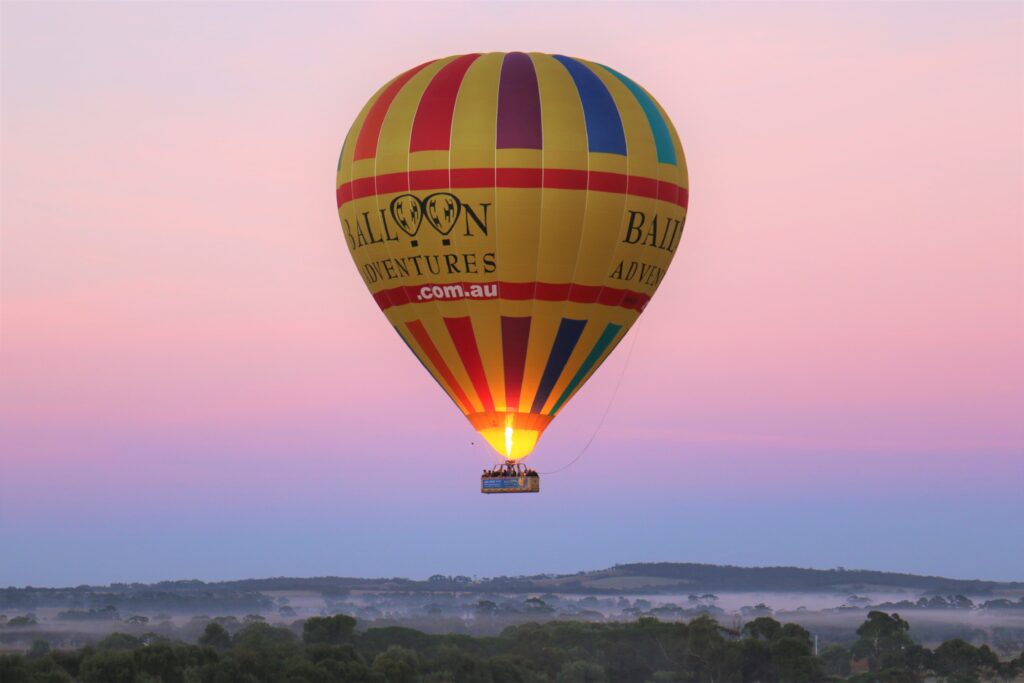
{"type": "Point", "coordinates": [609, 334]}
{"type": "Point", "coordinates": [662, 136]}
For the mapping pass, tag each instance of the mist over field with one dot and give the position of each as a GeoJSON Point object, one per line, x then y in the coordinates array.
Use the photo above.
{"type": "Point", "coordinates": [831, 605]}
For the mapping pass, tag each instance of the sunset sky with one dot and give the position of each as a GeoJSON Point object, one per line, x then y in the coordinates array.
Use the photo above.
{"type": "Point", "coordinates": [194, 382]}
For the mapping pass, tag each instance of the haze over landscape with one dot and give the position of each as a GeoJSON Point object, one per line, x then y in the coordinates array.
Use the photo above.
{"type": "Point", "coordinates": [831, 604]}
{"type": "Point", "coordinates": [456, 627]}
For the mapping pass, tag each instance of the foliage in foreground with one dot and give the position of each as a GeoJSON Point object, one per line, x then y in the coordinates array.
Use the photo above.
{"type": "Point", "coordinates": [648, 650]}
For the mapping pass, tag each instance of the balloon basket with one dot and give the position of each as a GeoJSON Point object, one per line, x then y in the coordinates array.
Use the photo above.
{"type": "Point", "coordinates": [510, 477]}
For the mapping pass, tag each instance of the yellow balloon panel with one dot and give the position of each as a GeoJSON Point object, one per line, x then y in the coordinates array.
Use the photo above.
{"type": "Point", "coordinates": [512, 215]}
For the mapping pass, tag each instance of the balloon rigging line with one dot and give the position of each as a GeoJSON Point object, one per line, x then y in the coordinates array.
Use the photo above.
{"type": "Point", "coordinates": [608, 408]}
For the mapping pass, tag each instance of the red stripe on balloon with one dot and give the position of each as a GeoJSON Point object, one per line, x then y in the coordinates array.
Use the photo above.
{"type": "Point", "coordinates": [432, 127]}
{"type": "Point", "coordinates": [515, 336]}
{"type": "Point", "coordinates": [423, 339]}
{"type": "Point", "coordinates": [461, 331]}
{"type": "Point", "coordinates": [513, 291]}
{"type": "Point", "coordinates": [366, 143]}
{"type": "Point", "coordinates": [525, 178]}
{"type": "Point", "coordinates": [579, 294]}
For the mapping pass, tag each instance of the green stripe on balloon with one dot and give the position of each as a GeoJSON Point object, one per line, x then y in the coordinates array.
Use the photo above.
{"type": "Point", "coordinates": [662, 137]}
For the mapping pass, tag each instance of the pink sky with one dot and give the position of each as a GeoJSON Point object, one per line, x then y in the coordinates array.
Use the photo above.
{"type": "Point", "coordinates": [184, 335]}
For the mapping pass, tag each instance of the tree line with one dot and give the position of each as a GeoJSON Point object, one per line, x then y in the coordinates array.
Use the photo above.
{"type": "Point", "coordinates": [328, 649]}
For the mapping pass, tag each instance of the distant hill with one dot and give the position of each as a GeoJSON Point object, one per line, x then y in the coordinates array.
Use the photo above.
{"type": "Point", "coordinates": [724, 578]}
{"type": "Point", "coordinates": [660, 577]}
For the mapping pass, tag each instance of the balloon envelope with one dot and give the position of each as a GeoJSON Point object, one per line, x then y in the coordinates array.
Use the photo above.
{"type": "Point", "coordinates": [512, 214]}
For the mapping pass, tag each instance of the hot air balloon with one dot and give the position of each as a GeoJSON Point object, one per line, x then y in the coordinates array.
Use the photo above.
{"type": "Point", "coordinates": [512, 214]}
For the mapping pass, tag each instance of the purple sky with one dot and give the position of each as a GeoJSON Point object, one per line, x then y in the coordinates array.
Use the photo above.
{"type": "Point", "coordinates": [195, 383]}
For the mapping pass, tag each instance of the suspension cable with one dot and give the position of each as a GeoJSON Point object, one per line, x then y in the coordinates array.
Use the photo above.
{"type": "Point", "coordinates": [608, 408]}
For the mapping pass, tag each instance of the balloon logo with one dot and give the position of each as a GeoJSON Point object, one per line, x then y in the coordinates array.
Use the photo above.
{"type": "Point", "coordinates": [442, 210]}
{"type": "Point", "coordinates": [407, 212]}
{"type": "Point", "coordinates": [556, 193]}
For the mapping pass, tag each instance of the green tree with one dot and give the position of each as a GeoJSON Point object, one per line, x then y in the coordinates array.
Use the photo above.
{"type": "Point", "coordinates": [797, 632]}
{"type": "Point", "coordinates": [510, 669]}
{"type": "Point", "coordinates": [580, 671]}
{"type": "Point", "coordinates": [333, 630]}
{"type": "Point", "coordinates": [341, 662]}
{"type": "Point", "coordinates": [300, 670]}
{"type": "Point", "coordinates": [39, 649]}
{"type": "Point", "coordinates": [46, 671]}
{"type": "Point", "coordinates": [883, 639]}
{"type": "Point", "coordinates": [161, 662]}
{"type": "Point", "coordinates": [988, 662]}
{"type": "Point", "coordinates": [69, 660]}
{"type": "Point", "coordinates": [756, 660]}
{"type": "Point", "coordinates": [396, 664]}
{"type": "Point", "coordinates": [793, 661]}
{"type": "Point", "coordinates": [958, 659]}
{"type": "Point", "coordinates": [762, 628]}
{"type": "Point", "coordinates": [109, 666]}
{"type": "Point", "coordinates": [621, 661]}
{"type": "Point", "coordinates": [215, 636]}
{"type": "Point", "coordinates": [451, 662]}
{"type": "Point", "coordinates": [14, 670]}
{"type": "Point", "coordinates": [709, 657]}
{"type": "Point", "coordinates": [896, 675]}
{"type": "Point", "coordinates": [836, 660]}
{"type": "Point", "coordinates": [259, 635]}
{"type": "Point", "coordinates": [1010, 669]}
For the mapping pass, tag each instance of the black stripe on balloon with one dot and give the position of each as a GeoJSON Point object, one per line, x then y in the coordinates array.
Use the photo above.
{"type": "Point", "coordinates": [568, 335]}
